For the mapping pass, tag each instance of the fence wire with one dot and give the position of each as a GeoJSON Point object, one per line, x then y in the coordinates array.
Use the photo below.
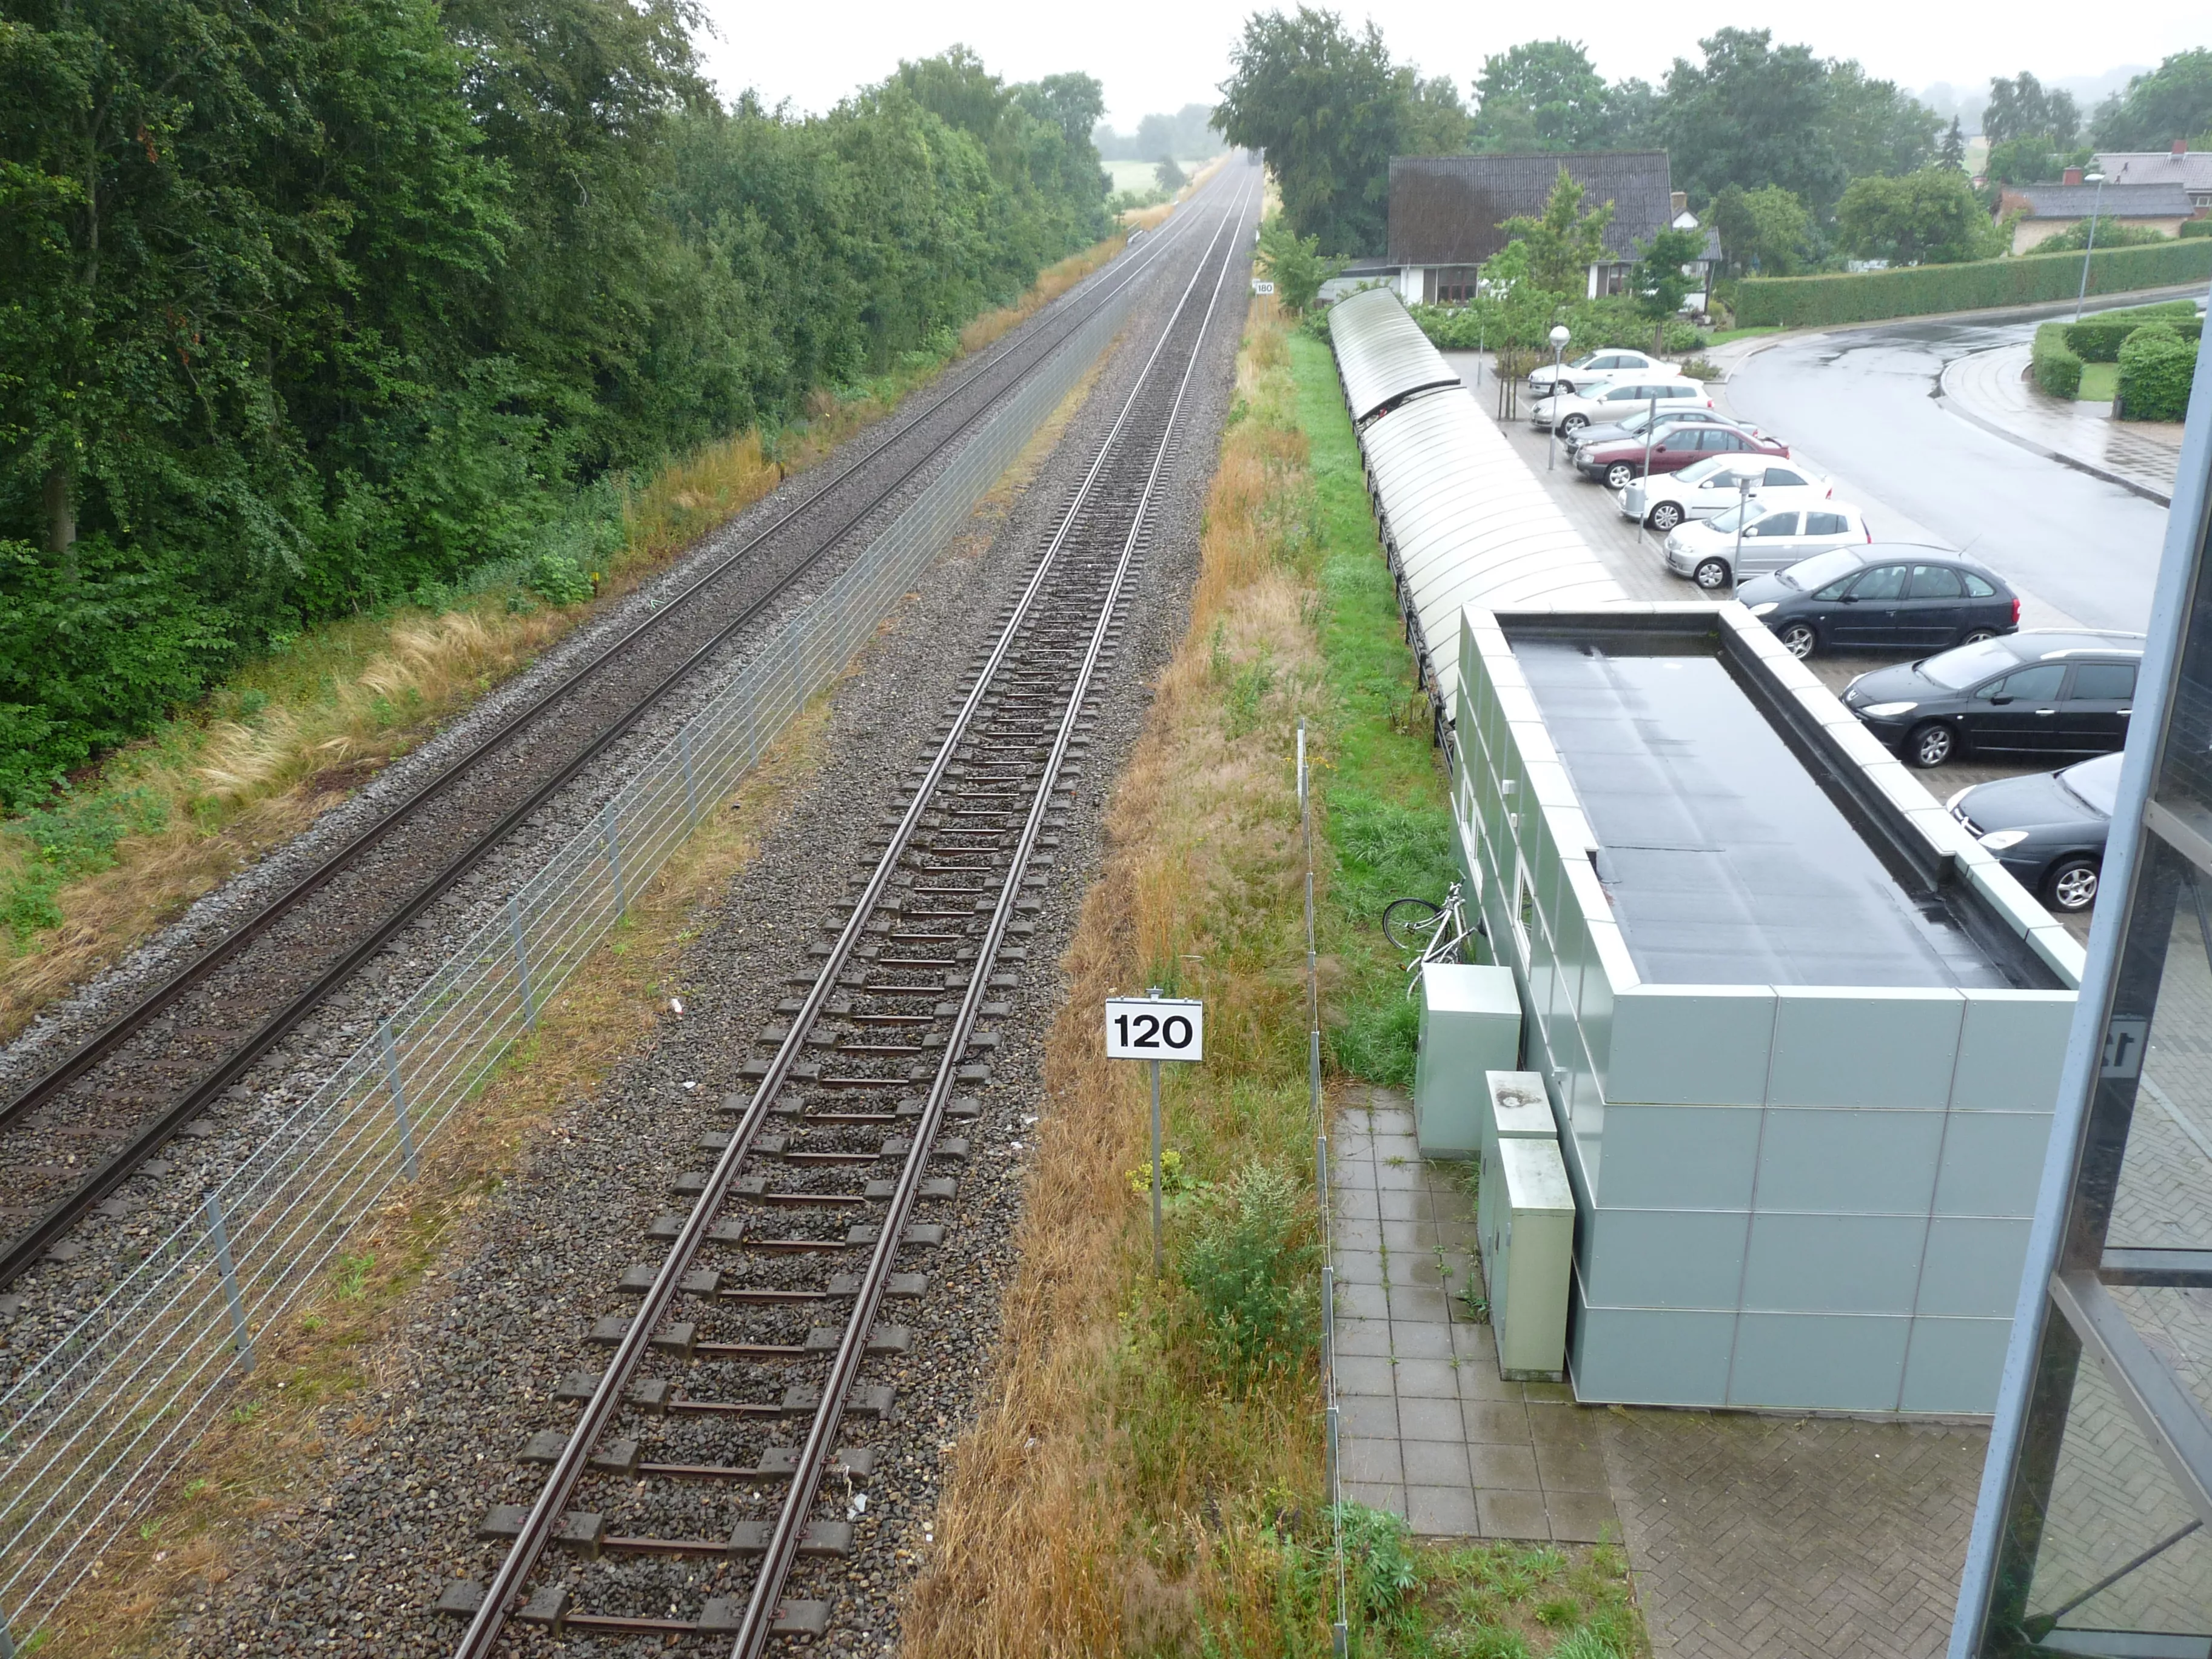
{"type": "Point", "coordinates": [89, 1430]}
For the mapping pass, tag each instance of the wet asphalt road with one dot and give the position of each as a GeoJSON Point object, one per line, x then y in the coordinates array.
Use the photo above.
{"type": "Point", "coordinates": [1859, 403]}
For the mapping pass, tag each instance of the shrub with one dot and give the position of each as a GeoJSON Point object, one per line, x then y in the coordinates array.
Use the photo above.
{"type": "Point", "coordinates": [1917, 291]}
{"type": "Point", "coordinates": [2157, 367]}
{"type": "Point", "coordinates": [1382, 1568]}
{"type": "Point", "coordinates": [2056, 368]}
{"type": "Point", "coordinates": [2194, 228]}
{"type": "Point", "coordinates": [553, 576]}
{"type": "Point", "coordinates": [1253, 1264]}
{"type": "Point", "coordinates": [2098, 339]}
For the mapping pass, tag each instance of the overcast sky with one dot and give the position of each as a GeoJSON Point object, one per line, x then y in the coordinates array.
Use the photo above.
{"type": "Point", "coordinates": [1160, 54]}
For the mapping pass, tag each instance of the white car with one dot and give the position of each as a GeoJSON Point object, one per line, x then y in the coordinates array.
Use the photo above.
{"type": "Point", "coordinates": [1609, 364]}
{"type": "Point", "coordinates": [1711, 487]}
{"type": "Point", "coordinates": [1572, 411]}
{"type": "Point", "coordinates": [1711, 553]}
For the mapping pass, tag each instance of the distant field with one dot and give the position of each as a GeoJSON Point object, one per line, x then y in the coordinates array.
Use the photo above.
{"type": "Point", "coordinates": [1138, 175]}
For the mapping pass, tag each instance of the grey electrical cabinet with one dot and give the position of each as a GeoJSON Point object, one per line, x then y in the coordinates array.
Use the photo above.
{"type": "Point", "coordinates": [1528, 1270]}
{"type": "Point", "coordinates": [1470, 1025]}
{"type": "Point", "coordinates": [1517, 1109]}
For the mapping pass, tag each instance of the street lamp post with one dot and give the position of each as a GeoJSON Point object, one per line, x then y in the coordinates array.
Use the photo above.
{"type": "Point", "coordinates": [1559, 338]}
{"type": "Point", "coordinates": [2098, 180]}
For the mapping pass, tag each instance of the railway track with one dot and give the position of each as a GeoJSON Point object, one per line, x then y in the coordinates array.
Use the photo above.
{"type": "Point", "coordinates": [78, 1131]}
{"type": "Point", "coordinates": [728, 1391]}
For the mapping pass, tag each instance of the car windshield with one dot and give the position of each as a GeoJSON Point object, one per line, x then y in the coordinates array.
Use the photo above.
{"type": "Point", "coordinates": [2094, 783]}
{"type": "Point", "coordinates": [1969, 664]}
{"type": "Point", "coordinates": [1698, 471]}
{"type": "Point", "coordinates": [1749, 513]}
{"type": "Point", "coordinates": [1817, 571]}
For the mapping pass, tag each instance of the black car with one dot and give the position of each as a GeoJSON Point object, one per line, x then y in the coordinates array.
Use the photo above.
{"type": "Point", "coordinates": [1878, 595]}
{"type": "Point", "coordinates": [2047, 828]}
{"type": "Point", "coordinates": [2055, 694]}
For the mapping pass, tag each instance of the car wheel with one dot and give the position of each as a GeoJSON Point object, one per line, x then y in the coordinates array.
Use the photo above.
{"type": "Point", "coordinates": [1930, 744]}
{"type": "Point", "coordinates": [1620, 475]}
{"type": "Point", "coordinates": [1976, 635]}
{"type": "Point", "coordinates": [2071, 886]}
{"type": "Point", "coordinates": [1665, 516]}
{"type": "Point", "coordinates": [1574, 424]}
{"type": "Point", "coordinates": [1713, 576]}
{"type": "Point", "coordinates": [1799, 640]}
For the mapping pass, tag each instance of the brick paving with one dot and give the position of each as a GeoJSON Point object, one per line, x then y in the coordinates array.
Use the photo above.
{"type": "Point", "coordinates": [1990, 388]}
{"type": "Point", "coordinates": [1747, 1535]}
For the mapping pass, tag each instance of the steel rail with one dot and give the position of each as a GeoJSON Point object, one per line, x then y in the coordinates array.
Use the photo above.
{"type": "Point", "coordinates": [814, 1456]}
{"type": "Point", "coordinates": [24, 1249]}
{"type": "Point", "coordinates": [600, 1410]}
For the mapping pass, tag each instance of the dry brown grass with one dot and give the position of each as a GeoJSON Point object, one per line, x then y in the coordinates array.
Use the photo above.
{"type": "Point", "coordinates": [1111, 1497]}
{"type": "Point", "coordinates": [316, 1389]}
{"type": "Point", "coordinates": [353, 696]}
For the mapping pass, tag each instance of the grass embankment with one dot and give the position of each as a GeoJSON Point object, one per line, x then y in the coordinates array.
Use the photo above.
{"type": "Point", "coordinates": [1144, 1475]}
{"type": "Point", "coordinates": [173, 816]}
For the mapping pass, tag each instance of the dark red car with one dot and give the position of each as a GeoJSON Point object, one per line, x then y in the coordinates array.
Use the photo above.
{"type": "Point", "coordinates": [1616, 466]}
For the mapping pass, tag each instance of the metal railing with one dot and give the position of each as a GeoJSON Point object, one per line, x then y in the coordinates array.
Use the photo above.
{"type": "Point", "coordinates": [1332, 1479]}
{"type": "Point", "coordinates": [89, 1430]}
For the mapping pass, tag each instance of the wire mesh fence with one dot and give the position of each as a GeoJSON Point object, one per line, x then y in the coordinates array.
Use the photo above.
{"type": "Point", "coordinates": [89, 1430]}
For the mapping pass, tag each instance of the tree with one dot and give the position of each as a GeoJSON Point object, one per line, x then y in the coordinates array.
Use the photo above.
{"type": "Point", "coordinates": [1565, 240]}
{"type": "Point", "coordinates": [1876, 127]}
{"type": "Point", "coordinates": [1953, 151]}
{"type": "Point", "coordinates": [1752, 113]}
{"type": "Point", "coordinates": [2023, 108]}
{"type": "Point", "coordinates": [1659, 279]}
{"type": "Point", "coordinates": [2030, 160]}
{"type": "Point", "coordinates": [1170, 176]}
{"type": "Point", "coordinates": [2174, 100]}
{"type": "Point", "coordinates": [1329, 109]}
{"type": "Point", "coordinates": [1295, 266]}
{"type": "Point", "coordinates": [1433, 121]}
{"type": "Point", "coordinates": [1762, 230]}
{"type": "Point", "coordinates": [1540, 96]}
{"type": "Point", "coordinates": [1929, 217]}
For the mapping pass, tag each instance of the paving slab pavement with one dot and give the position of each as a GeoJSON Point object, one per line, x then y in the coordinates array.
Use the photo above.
{"type": "Point", "coordinates": [1746, 1534]}
{"type": "Point", "coordinates": [1992, 390]}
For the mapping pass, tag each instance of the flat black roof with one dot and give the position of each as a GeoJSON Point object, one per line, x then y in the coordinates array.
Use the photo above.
{"type": "Point", "coordinates": [1726, 860]}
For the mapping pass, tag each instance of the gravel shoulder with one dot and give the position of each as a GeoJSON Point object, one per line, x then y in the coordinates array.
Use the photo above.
{"type": "Point", "coordinates": [387, 1516]}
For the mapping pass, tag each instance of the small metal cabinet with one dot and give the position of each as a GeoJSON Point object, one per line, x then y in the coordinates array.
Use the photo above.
{"type": "Point", "coordinates": [1517, 1109]}
{"type": "Point", "coordinates": [1470, 1025]}
{"type": "Point", "coordinates": [1528, 1271]}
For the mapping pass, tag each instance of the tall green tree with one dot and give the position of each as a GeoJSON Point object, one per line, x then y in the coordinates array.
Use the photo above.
{"type": "Point", "coordinates": [1329, 109]}
{"type": "Point", "coordinates": [1953, 151]}
{"type": "Point", "coordinates": [2174, 100]}
{"type": "Point", "coordinates": [1660, 279]}
{"type": "Point", "coordinates": [1930, 217]}
{"type": "Point", "coordinates": [2023, 108]}
{"type": "Point", "coordinates": [1565, 240]}
{"type": "Point", "coordinates": [1541, 96]}
{"type": "Point", "coordinates": [1763, 230]}
{"type": "Point", "coordinates": [1433, 122]}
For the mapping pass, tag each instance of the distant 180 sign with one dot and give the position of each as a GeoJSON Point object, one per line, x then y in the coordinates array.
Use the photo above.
{"type": "Point", "coordinates": [1155, 1028]}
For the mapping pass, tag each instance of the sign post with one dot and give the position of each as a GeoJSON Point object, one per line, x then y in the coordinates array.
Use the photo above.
{"type": "Point", "coordinates": [1156, 1029]}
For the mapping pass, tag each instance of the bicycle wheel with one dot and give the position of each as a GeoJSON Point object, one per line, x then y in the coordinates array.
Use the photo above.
{"type": "Point", "coordinates": [1410, 923]}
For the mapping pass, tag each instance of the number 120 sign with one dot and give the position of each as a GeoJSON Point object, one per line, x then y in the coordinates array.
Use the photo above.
{"type": "Point", "coordinates": [1155, 1028]}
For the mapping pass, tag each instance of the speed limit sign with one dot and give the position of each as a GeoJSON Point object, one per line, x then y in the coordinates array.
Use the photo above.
{"type": "Point", "coordinates": [1155, 1028]}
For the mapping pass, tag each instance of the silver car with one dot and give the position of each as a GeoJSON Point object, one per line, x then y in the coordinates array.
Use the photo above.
{"type": "Point", "coordinates": [1713, 554]}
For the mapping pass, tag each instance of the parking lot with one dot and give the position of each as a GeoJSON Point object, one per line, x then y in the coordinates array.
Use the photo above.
{"type": "Point", "coordinates": [1633, 558]}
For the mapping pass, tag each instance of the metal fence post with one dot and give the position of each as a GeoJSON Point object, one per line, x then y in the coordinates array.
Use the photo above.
{"type": "Point", "coordinates": [398, 1091]}
{"type": "Point", "coordinates": [522, 960]}
{"type": "Point", "coordinates": [610, 839]}
{"type": "Point", "coordinates": [691, 776]}
{"type": "Point", "coordinates": [1328, 1327]}
{"type": "Point", "coordinates": [241, 1338]}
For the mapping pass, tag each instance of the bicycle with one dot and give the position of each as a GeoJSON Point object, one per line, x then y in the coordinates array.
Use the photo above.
{"type": "Point", "coordinates": [1433, 931]}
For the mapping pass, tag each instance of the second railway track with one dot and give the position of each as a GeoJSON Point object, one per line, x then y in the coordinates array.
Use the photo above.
{"type": "Point", "coordinates": [733, 1386]}
{"type": "Point", "coordinates": [77, 1131]}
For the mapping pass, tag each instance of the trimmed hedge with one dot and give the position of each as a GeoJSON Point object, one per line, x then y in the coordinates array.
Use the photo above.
{"type": "Point", "coordinates": [2058, 370]}
{"type": "Point", "coordinates": [2157, 367]}
{"type": "Point", "coordinates": [2098, 340]}
{"type": "Point", "coordinates": [2196, 228]}
{"type": "Point", "coordinates": [1918, 290]}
